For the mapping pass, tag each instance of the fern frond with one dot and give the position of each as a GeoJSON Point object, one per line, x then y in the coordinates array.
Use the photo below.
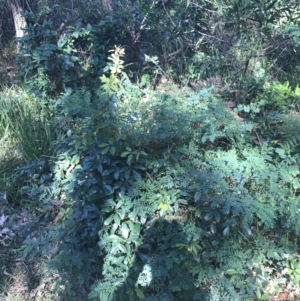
{"type": "Point", "coordinates": [291, 134]}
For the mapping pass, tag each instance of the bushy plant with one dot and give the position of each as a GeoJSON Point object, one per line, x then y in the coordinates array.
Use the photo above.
{"type": "Point", "coordinates": [158, 206]}
{"type": "Point", "coordinates": [287, 61]}
{"type": "Point", "coordinates": [167, 193]}
{"type": "Point", "coordinates": [56, 61]}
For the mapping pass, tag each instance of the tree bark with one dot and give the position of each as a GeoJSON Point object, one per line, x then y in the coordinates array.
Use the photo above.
{"type": "Point", "coordinates": [19, 21]}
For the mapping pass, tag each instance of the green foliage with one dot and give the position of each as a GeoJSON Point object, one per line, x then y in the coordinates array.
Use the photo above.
{"type": "Point", "coordinates": [287, 35]}
{"type": "Point", "coordinates": [173, 192]}
{"type": "Point", "coordinates": [193, 41]}
{"type": "Point", "coordinates": [167, 193]}
{"type": "Point", "coordinates": [284, 97]}
{"type": "Point", "coordinates": [61, 60]}
{"type": "Point", "coordinates": [290, 135]}
{"type": "Point", "coordinates": [110, 84]}
{"type": "Point", "coordinates": [25, 121]}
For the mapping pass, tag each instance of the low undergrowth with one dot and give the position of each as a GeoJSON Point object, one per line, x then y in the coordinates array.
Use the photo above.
{"type": "Point", "coordinates": [168, 194]}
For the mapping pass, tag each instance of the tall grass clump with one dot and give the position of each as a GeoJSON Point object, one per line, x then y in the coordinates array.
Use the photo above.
{"type": "Point", "coordinates": [26, 130]}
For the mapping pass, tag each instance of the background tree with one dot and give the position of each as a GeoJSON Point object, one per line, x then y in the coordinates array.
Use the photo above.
{"type": "Point", "coordinates": [12, 15]}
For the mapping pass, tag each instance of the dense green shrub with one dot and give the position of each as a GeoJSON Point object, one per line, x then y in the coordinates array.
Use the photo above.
{"type": "Point", "coordinates": [147, 189]}
{"type": "Point", "coordinates": [168, 193]}
{"type": "Point", "coordinates": [193, 41]}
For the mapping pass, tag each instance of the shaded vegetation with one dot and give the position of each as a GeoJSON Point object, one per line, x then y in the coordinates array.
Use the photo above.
{"type": "Point", "coordinates": [163, 168]}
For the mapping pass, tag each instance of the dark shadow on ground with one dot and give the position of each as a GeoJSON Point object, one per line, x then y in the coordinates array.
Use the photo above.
{"type": "Point", "coordinates": [160, 271]}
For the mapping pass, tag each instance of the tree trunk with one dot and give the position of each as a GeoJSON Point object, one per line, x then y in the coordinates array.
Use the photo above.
{"type": "Point", "coordinates": [106, 4]}
{"type": "Point", "coordinates": [19, 21]}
